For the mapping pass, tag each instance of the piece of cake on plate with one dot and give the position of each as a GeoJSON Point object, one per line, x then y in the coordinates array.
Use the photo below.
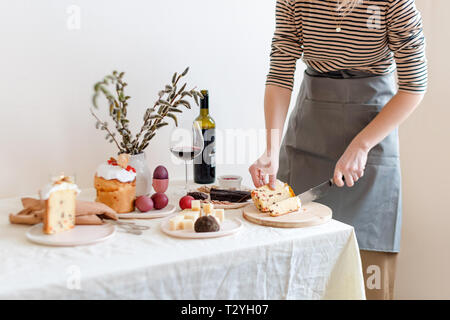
{"type": "Point", "coordinates": [60, 200]}
{"type": "Point", "coordinates": [263, 197]}
{"type": "Point", "coordinates": [285, 206]}
{"type": "Point", "coordinates": [115, 182]}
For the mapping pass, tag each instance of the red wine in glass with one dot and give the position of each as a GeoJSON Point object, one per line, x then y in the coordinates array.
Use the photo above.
{"type": "Point", "coordinates": [186, 153]}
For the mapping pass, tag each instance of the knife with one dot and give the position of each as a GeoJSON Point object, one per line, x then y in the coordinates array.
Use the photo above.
{"type": "Point", "coordinates": [316, 193]}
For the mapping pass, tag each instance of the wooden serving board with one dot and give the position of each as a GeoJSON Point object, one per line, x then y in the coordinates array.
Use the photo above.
{"type": "Point", "coordinates": [311, 214]}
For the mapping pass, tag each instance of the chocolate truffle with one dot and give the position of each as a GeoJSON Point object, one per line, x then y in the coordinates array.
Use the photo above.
{"type": "Point", "coordinates": [206, 224]}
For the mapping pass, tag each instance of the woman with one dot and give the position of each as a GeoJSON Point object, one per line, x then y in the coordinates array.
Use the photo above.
{"type": "Point", "coordinates": [348, 109]}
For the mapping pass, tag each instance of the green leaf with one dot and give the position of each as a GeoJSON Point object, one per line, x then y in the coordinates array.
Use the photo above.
{"type": "Point", "coordinates": [182, 88]}
{"type": "Point", "coordinates": [143, 147]}
{"type": "Point", "coordinates": [170, 115]}
{"type": "Point", "coordinates": [199, 94]}
{"type": "Point", "coordinates": [175, 110]}
{"type": "Point", "coordinates": [185, 72]}
{"type": "Point", "coordinates": [163, 102]}
{"type": "Point", "coordinates": [174, 78]}
{"type": "Point", "coordinates": [184, 102]}
{"type": "Point", "coordinates": [161, 124]}
{"type": "Point", "coordinates": [94, 100]}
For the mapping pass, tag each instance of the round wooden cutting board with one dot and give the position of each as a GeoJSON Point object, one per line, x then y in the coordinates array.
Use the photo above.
{"type": "Point", "coordinates": [311, 214]}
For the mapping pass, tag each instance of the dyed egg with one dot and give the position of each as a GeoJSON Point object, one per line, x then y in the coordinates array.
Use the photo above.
{"type": "Point", "coordinates": [160, 200]}
{"type": "Point", "coordinates": [160, 172]}
{"type": "Point", "coordinates": [160, 179]}
{"type": "Point", "coordinates": [144, 203]}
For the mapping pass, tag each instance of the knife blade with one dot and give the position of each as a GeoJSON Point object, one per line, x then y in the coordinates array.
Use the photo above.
{"type": "Point", "coordinates": [316, 192]}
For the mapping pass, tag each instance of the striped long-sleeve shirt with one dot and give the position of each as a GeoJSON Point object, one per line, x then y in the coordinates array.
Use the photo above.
{"type": "Point", "coordinates": [377, 36]}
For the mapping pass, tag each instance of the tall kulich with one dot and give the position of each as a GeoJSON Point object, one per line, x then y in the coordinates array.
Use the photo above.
{"type": "Point", "coordinates": [205, 164]}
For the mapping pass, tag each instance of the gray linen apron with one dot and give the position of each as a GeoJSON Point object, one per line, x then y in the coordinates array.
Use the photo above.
{"type": "Point", "coordinates": [329, 113]}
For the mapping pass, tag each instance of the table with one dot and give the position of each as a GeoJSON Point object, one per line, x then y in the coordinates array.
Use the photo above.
{"type": "Point", "coordinates": [320, 262]}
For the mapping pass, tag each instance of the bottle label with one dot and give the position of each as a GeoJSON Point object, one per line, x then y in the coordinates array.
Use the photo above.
{"type": "Point", "coordinates": [209, 151]}
{"type": "Point", "coordinates": [205, 164]}
{"type": "Point", "coordinates": [213, 160]}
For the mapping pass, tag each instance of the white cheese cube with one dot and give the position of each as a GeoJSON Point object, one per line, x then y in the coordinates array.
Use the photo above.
{"type": "Point", "coordinates": [219, 214]}
{"type": "Point", "coordinates": [208, 208]}
{"type": "Point", "coordinates": [195, 205]}
{"type": "Point", "coordinates": [190, 214]}
{"type": "Point", "coordinates": [187, 224]}
{"type": "Point", "coordinates": [175, 223]}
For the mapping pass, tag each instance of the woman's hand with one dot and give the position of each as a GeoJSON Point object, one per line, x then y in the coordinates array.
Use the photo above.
{"type": "Point", "coordinates": [266, 165]}
{"type": "Point", "coordinates": [351, 165]}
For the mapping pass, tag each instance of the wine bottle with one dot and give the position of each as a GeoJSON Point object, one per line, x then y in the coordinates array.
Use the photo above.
{"type": "Point", "coordinates": [205, 163]}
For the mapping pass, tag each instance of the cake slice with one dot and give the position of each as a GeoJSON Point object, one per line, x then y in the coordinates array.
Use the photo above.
{"type": "Point", "coordinates": [60, 201]}
{"type": "Point", "coordinates": [285, 206]}
{"type": "Point", "coordinates": [264, 197]}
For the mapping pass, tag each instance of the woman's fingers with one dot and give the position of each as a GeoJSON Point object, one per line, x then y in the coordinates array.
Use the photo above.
{"type": "Point", "coordinates": [349, 179]}
{"type": "Point", "coordinates": [256, 176]}
{"type": "Point", "coordinates": [360, 173]}
{"type": "Point", "coordinates": [272, 181]}
{"type": "Point", "coordinates": [338, 178]}
{"type": "Point", "coordinates": [355, 176]}
{"type": "Point", "coordinates": [262, 178]}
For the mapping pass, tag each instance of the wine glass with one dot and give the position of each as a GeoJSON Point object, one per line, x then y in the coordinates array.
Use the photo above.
{"type": "Point", "coordinates": [186, 145]}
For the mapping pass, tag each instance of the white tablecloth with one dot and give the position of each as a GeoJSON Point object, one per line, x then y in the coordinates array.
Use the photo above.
{"type": "Point", "coordinates": [259, 262]}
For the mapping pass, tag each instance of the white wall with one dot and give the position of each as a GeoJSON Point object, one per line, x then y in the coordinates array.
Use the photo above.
{"type": "Point", "coordinates": [424, 261]}
{"type": "Point", "coordinates": [48, 71]}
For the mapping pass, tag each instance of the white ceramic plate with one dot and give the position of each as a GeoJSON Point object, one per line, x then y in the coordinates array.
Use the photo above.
{"type": "Point", "coordinates": [152, 214]}
{"type": "Point", "coordinates": [78, 236]}
{"type": "Point", "coordinates": [228, 227]}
